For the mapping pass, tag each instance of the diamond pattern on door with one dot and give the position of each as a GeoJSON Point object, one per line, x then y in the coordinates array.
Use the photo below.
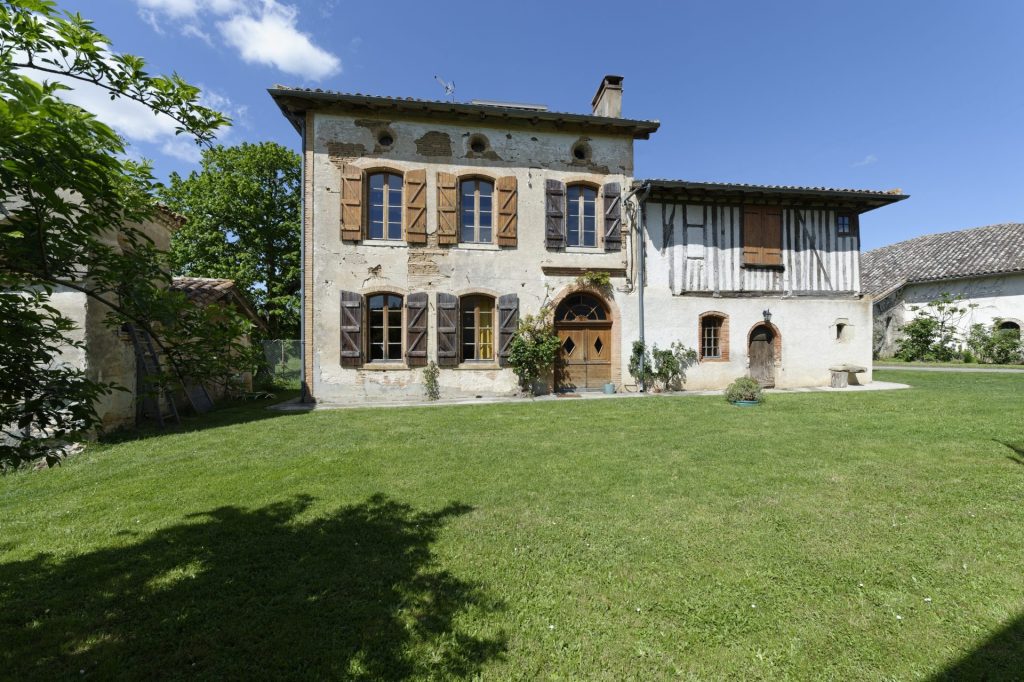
{"type": "Point", "coordinates": [598, 345]}
{"type": "Point", "coordinates": [569, 346]}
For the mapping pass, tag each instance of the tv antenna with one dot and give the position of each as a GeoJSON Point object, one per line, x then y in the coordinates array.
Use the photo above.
{"type": "Point", "coordinates": [449, 88]}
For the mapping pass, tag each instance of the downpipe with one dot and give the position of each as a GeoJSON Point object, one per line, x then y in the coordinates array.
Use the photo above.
{"type": "Point", "coordinates": [639, 196]}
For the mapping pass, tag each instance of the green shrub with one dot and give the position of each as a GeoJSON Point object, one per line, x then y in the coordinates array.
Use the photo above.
{"type": "Point", "coordinates": [932, 335]}
{"type": "Point", "coordinates": [430, 374]}
{"type": "Point", "coordinates": [994, 345]}
{"type": "Point", "coordinates": [670, 365]}
{"type": "Point", "coordinates": [644, 377]}
{"type": "Point", "coordinates": [598, 280]}
{"type": "Point", "coordinates": [744, 388]}
{"type": "Point", "coordinates": [533, 349]}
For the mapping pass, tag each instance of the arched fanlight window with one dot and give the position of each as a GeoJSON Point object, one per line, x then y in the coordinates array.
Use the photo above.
{"type": "Point", "coordinates": [580, 308]}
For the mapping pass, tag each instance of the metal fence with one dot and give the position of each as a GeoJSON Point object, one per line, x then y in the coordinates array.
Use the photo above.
{"type": "Point", "coordinates": [283, 364]}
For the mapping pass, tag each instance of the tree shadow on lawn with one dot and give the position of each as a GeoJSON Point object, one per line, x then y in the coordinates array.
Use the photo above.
{"type": "Point", "coordinates": [1001, 657]}
{"type": "Point", "coordinates": [1018, 449]}
{"type": "Point", "coordinates": [238, 594]}
{"type": "Point", "coordinates": [233, 412]}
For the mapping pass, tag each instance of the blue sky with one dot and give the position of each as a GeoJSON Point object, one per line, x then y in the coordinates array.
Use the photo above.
{"type": "Point", "coordinates": [924, 96]}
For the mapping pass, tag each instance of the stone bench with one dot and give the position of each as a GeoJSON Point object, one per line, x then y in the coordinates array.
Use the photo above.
{"type": "Point", "coordinates": [841, 374]}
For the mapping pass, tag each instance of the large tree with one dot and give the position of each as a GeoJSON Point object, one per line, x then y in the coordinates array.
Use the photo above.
{"type": "Point", "coordinates": [242, 212]}
{"type": "Point", "coordinates": [65, 188]}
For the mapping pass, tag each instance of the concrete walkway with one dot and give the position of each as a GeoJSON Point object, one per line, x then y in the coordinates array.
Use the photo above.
{"type": "Point", "coordinates": [295, 406]}
{"type": "Point", "coordinates": [914, 368]}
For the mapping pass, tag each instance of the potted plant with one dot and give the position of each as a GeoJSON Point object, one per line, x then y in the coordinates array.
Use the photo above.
{"type": "Point", "coordinates": [744, 392]}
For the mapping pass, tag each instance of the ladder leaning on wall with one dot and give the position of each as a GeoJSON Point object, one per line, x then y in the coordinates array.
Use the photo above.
{"type": "Point", "coordinates": [147, 364]}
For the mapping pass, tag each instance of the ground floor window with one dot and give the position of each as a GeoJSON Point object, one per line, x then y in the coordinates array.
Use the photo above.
{"type": "Point", "coordinates": [477, 328]}
{"type": "Point", "coordinates": [1012, 327]}
{"type": "Point", "coordinates": [711, 337]}
{"type": "Point", "coordinates": [385, 327]}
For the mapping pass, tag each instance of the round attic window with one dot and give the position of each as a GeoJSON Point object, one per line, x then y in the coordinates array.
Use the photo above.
{"type": "Point", "coordinates": [385, 139]}
{"type": "Point", "coordinates": [580, 151]}
{"type": "Point", "coordinates": [478, 144]}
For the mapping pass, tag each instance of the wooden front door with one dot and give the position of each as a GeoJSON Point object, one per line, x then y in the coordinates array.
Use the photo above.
{"type": "Point", "coordinates": [585, 356]}
{"type": "Point", "coordinates": [762, 356]}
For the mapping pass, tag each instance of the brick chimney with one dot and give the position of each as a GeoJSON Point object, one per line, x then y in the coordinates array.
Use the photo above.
{"type": "Point", "coordinates": [608, 100]}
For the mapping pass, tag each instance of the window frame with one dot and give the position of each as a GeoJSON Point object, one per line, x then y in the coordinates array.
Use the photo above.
{"type": "Point", "coordinates": [852, 226]}
{"type": "Point", "coordinates": [581, 215]}
{"type": "Point", "coordinates": [475, 299]}
{"type": "Point", "coordinates": [721, 336]}
{"type": "Point", "coordinates": [386, 328]}
{"type": "Point", "coordinates": [476, 208]}
{"type": "Point", "coordinates": [371, 173]}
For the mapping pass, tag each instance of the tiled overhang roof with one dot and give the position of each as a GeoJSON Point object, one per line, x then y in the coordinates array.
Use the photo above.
{"type": "Point", "coordinates": [861, 199]}
{"type": "Point", "coordinates": [296, 101]}
{"type": "Point", "coordinates": [980, 251]}
{"type": "Point", "coordinates": [204, 291]}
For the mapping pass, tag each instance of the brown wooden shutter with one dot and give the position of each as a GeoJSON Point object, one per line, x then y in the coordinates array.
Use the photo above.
{"type": "Point", "coordinates": [771, 236]}
{"type": "Point", "coordinates": [508, 323]}
{"type": "Point", "coordinates": [416, 206]}
{"type": "Point", "coordinates": [351, 329]}
{"type": "Point", "coordinates": [351, 202]}
{"type": "Point", "coordinates": [612, 216]}
{"type": "Point", "coordinates": [508, 199]}
{"type": "Point", "coordinates": [554, 213]}
{"type": "Point", "coordinates": [447, 209]}
{"type": "Point", "coordinates": [752, 235]}
{"type": "Point", "coordinates": [416, 329]}
{"type": "Point", "coordinates": [447, 330]}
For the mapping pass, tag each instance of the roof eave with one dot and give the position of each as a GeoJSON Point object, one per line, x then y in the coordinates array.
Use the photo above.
{"type": "Point", "coordinates": [294, 103]}
{"type": "Point", "coordinates": [681, 189]}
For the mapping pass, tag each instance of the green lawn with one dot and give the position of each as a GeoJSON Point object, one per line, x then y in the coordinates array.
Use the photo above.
{"type": "Point", "coordinates": [821, 535]}
{"type": "Point", "coordinates": [952, 363]}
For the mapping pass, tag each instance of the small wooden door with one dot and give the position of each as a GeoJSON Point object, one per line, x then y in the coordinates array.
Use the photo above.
{"type": "Point", "coordinates": [584, 359]}
{"type": "Point", "coordinates": [762, 356]}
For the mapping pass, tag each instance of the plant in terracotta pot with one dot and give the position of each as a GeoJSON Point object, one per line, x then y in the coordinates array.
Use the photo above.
{"type": "Point", "coordinates": [744, 391]}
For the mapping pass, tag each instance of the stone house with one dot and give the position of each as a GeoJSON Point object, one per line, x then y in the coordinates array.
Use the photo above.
{"type": "Point", "coordinates": [985, 265]}
{"type": "Point", "coordinates": [429, 227]}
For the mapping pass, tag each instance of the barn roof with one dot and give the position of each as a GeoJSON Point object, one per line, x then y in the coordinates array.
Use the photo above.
{"type": "Point", "coordinates": [990, 250]}
{"type": "Point", "coordinates": [205, 291]}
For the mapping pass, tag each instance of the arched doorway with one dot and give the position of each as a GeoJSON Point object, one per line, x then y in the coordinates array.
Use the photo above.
{"type": "Point", "coordinates": [585, 356]}
{"type": "Point", "coordinates": [761, 352]}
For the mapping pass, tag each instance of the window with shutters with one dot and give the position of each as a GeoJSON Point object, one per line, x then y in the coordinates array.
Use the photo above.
{"type": "Point", "coordinates": [476, 211]}
{"type": "Point", "coordinates": [714, 336]}
{"type": "Point", "coordinates": [477, 328]}
{"type": "Point", "coordinates": [762, 236]}
{"type": "Point", "coordinates": [581, 216]}
{"type": "Point", "coordinates": [385, 327]}
{"type": "Point", "coordinates": [385, 205]}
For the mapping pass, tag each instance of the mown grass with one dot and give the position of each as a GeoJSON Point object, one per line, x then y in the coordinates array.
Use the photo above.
{"type": "Point", "coordinates": [822, 535]}
{"type": "Point", "coordinates": [910, 364]}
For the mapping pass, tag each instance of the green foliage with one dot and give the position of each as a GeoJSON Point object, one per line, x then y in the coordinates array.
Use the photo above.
{"type": "Point", "coordinates": [599, 280]}
{"type": "Point", "coordinates": [641, 368]}
{"type": "Point", "coordinates": [662, 368]}
{"type": "Point", "coordinates": [670, 365]}
{"type": "Point", "coordinates": [744, 388]}
{"type": "Point", "coordinates": [932, 334]}
{"type": "Point", "coordinates": [70, 201]}
{"type": "Point", "coordinates": [533, 349]}
{"type": "Point", "coordinates": [992, 345]}
{"type": "Point", "coordinates": [430, 375]}
{"type": "Point", "coordinates": [242, 210]}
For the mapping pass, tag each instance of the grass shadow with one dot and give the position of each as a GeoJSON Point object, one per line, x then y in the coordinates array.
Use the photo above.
{"type": "Point", "coordinates": [251, 594]}
{"type": "Point", "coordinates": [225, 414]}
{"type": "Point", "coordinates": [1018, 449]}
{"type": "Point", "coordinates": [1000, 657]}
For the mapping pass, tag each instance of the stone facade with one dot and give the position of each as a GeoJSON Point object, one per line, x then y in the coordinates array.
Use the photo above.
{"type": "Point", "coordinates": [808, 280]}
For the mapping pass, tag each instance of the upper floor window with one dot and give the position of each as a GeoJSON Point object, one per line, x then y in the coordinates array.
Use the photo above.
{"type": "Point", "coordinates": [581, 216]}
{"type": "Point", "coordinates": [385, 206]}
{"type": "Point", "coordinates": [843, 225]}
{"type": "Point", "coordinates": [477, 328]}
{"type": "Point", "coordinates": [475, 217]}
{"type": "Point", "coordinates": [385, 327]}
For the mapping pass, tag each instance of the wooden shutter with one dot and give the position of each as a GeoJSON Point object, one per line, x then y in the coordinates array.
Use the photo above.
{"type": "Point", "coordinates": [447, 209]}
{"type": "Point", "coordinates": [351, 202]}
{"type": "Point", "coordinates": [351, 329]}
{"type": "Point", "coordinates": [508, 322]}
{"type": "Point", "coordinates": [508, 199]}
{"type": "Point", "coordinates": [447, 330]}
{"type": "Point", "coordinates": [554, 213]}
{"type": "Point", "coordinates": [771, 236]}
{"type": "Point", "coordinates": [612, 217]}
{"type": "Point", "coordinates": [416, 206]}
{"type": "Point", "coordinates": [416, 329]}
{"type": "Point", "coordinates": [752, 235]}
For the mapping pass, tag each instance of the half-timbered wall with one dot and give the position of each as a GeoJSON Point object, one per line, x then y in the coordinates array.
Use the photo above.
{"type": "Point", "coordinates": [701, 245]}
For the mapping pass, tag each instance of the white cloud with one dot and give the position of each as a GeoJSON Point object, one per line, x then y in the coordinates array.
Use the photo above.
{"type": "Point", "coordinates": [866, 161]}
{"type": "Point", "coordinates": [183, 148]}
{"type": "Point", "coordinates": [263, 32]}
